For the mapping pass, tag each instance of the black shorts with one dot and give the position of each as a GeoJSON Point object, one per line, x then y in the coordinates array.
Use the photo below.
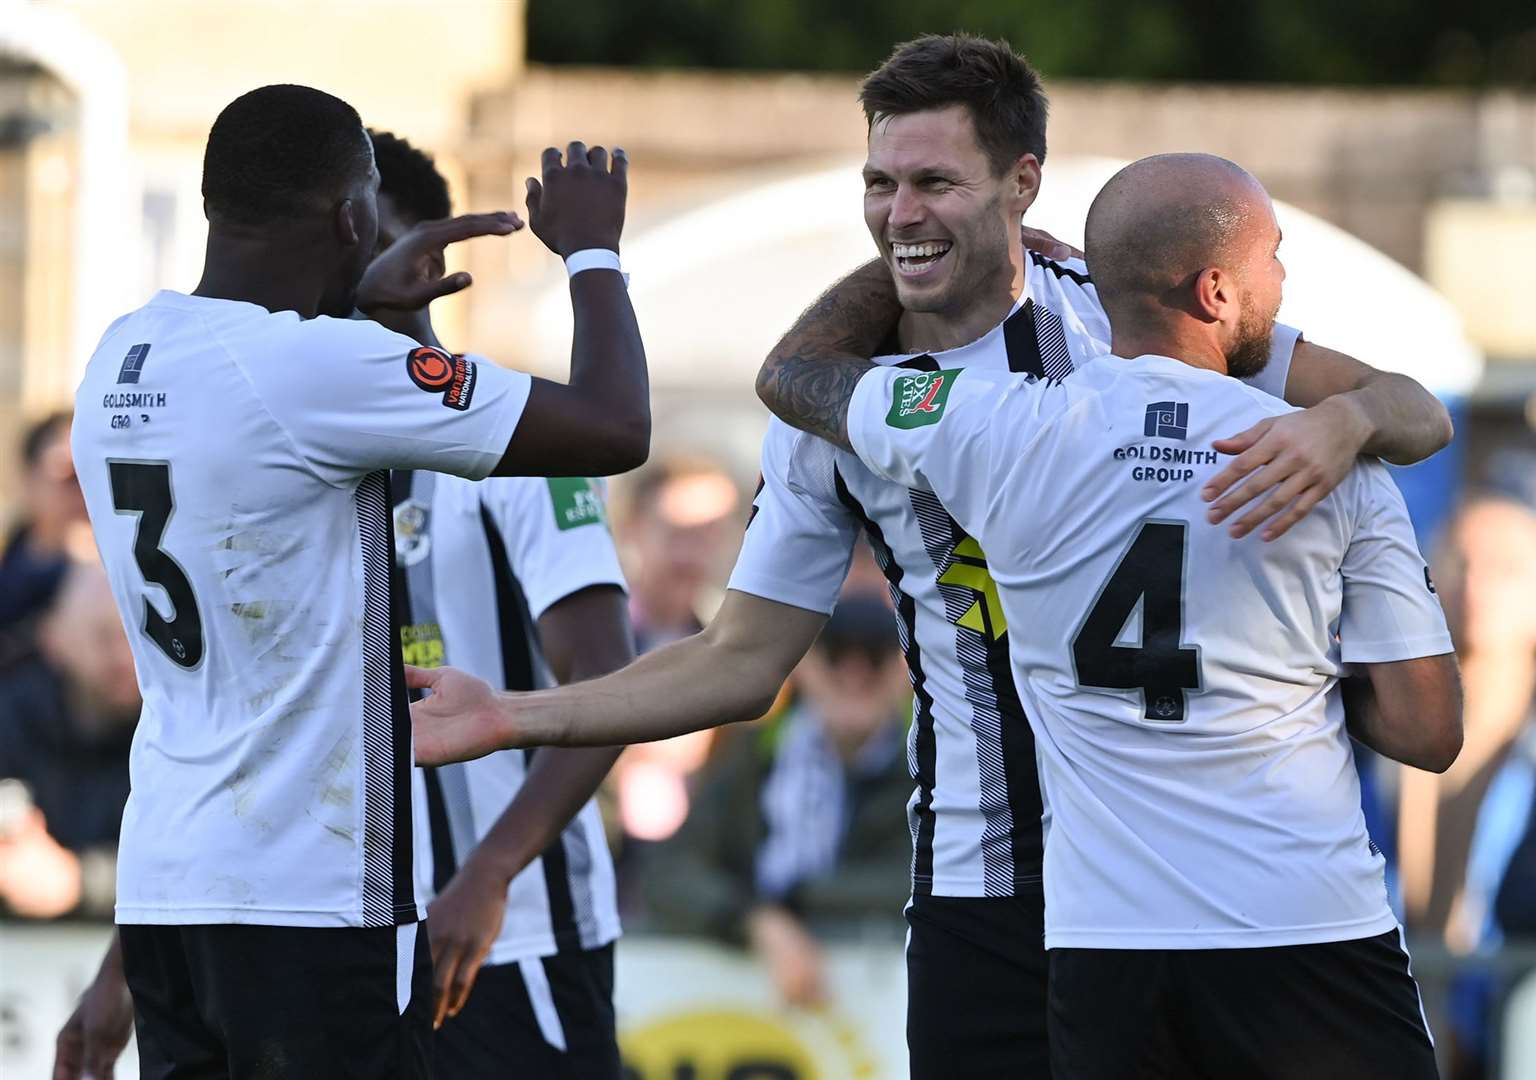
{"type": "Point", "coordinates": [976, 988]}
{"type": "Point", "coordinates": [1346, 1010]}
{"type": "Point", "coordinates": [548, 1019]}
{"type": "Point", "coordinates": [279, 1002]}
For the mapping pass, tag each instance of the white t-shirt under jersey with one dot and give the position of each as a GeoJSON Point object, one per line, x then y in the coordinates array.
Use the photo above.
{"type": "Point", "coordinates": [482, 562]}
{"type": "Point", "coordinates": [975, 810]}
{"type": "Point", "coordinates": [1200, 788]}
{"type": "Point", "coordinates": [234, 464]}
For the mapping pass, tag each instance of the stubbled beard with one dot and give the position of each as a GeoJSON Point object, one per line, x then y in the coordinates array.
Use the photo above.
{"type": "Point", "coordinates": [1249, 354]}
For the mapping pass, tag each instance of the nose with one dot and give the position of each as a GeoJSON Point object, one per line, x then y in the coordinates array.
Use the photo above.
{"type": "Point", "coordinates": [906, 207]}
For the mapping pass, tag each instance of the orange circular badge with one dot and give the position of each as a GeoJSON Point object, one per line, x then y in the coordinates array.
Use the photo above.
{"type": "Point", "coordinates": [430, 369]}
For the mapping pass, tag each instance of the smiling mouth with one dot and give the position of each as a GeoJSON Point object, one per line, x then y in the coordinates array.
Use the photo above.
{"type": "Point", "coordinates": [915, 260]}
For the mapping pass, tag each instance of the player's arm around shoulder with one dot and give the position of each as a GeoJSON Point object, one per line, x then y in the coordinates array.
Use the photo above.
{"type": "Point", "coordinates": [1392, 625]}
{"type": "Point", "coordinates": [1285, 465]}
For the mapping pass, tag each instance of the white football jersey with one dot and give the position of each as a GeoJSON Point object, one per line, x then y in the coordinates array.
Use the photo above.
{"type": "Point", "coordinates": [975, 815]}
{"type": "Point", "coordinates": [481, 562]}
{"type": "Point", "coordinates": [1200, 786]}
{"type": "Point", "coordinates": [234, 463]}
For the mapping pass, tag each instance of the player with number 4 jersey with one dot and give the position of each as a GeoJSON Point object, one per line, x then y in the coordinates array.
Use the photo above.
{"type": "Point", "coordinates": [1209, 881]}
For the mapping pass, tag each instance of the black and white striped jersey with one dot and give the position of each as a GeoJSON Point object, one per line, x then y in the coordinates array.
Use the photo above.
{"type": "Point", "coordinates": [479, 563]}
{"type": "Point", "coordinates": [975, 814]}
{"type": "Point", "coordinates": [234, 463]}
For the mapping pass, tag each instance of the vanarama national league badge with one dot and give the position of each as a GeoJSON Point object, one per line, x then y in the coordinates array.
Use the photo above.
{"type": "Point", "coordinates": [438, 372]}
{"type": "Point", "coordinates": [917, 400]}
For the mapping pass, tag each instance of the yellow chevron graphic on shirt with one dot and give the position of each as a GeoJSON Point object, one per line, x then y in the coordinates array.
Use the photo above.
{"type": "Point", "coordinates": [968, 569]}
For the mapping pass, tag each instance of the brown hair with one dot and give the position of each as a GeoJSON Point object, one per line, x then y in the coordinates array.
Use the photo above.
{"type": "Point", "coordinates": [997, 86]}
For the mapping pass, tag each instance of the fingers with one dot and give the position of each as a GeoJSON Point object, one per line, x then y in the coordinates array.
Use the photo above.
{"type": "Point", "coordinates": [452, 230]}
{"type": "Point", "coordinates": [597, 157]}
{"type": "Point", "coordinates": [422, 678]}
{"type": "Point", "coordinates": [1227, 485]}
{"type": "Point", "coordinates": [549, 160]}
{"type": "Point", "coordinates": [575, 154]}
{"type": "Point", "coordinates": [620, 163]}
{"type": "Point", "coordinates": [1236, 444]}
{"type": "Point", "coordinates": [447, 286]}
{"type": "Point", "coordinates": [443, 968]}
{"type": "Point", "coordinates": [464, 982]}
{"type": "Point", "coordinates": [1299, 509]}
{"type": "Point", "coordinates": [1277, 499]}
{"type": "Point", "coordinates": [535, 196]}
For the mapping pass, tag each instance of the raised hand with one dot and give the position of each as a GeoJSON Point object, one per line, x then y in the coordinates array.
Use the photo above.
{"type": "Point", "coordinates": [579, 203]}
{"type": "Point", "coordinates": [458, 721]}
{"type": "Point", "coordinates": [409, 274]}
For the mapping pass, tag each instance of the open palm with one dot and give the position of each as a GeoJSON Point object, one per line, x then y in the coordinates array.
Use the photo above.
{"type": "Point", "coordinates": [457, 721]}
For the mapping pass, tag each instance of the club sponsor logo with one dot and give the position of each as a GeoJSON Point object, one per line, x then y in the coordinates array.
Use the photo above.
{"type": "Point", "coordinates": [919, 400]}
{"type": "Point", "coordinates": [133, 364]}
{"type": "Point", "coordinates": [1167, 420]}
{"type": "Point", "coordinates": [576, 502]}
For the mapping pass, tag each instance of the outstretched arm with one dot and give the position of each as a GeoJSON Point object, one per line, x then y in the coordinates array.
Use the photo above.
{"type": "Point", "coordinates": [808, 378]}
{"type": "Point", "coordinates": [1351, 409]}
{"type": "Point", "coordinates": [731, 670]}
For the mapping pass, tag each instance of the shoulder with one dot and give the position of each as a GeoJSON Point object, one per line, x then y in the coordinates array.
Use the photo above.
{"type": "Point", "coordinates": [1071, 270]}
{"type": "Point", "coordinates": [346, 337]}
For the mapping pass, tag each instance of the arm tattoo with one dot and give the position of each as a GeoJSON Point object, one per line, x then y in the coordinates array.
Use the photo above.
{"type": "Point", "coordinates": [808, 378]}
{"type": "Point", "coordinates": [812, 393]}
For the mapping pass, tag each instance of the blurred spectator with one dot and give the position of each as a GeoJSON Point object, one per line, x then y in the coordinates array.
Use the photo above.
{"type": "Point", "coordinates": [797, 823]}
{"type": "Point", "coordinates": [66, 720]}
{"type": "Point", "coordinates": [51, 522]}
{"type": "Point", "coordinates": [1468, 837]}
{"type": "Point", "coordinates": [676, 529]}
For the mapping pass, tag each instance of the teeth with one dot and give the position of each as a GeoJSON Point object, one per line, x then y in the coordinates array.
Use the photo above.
{"type": "Point", "coordinates": [919, 251]}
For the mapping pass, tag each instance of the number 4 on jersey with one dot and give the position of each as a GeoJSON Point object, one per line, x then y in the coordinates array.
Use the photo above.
{"type": "Point", "coordinates": [1150, 575]}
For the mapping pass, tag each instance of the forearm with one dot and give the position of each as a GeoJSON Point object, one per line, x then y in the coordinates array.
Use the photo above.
{"type": "Point", "coordinates": [686, 686]}
{"type": "Point", "coordinates": [808, 378]}
{"type": "Point", "coordinates": [607, 353]}
{"type": "Point", "coordinates": [1393, 416]}
{"type": "Point", "coordinates": [558, 784]}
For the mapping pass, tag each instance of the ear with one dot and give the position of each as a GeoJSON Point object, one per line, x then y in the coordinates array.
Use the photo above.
{"type": "Point", "coordinates": [346, 225]}
{"type": "Point", "coordinates": [1215, 291]}
{"type": "Point", "coordinates": [1024, 183]}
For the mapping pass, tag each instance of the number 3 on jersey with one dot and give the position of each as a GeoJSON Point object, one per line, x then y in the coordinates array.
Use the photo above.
{"type": "Point", "coordinates": [143, 488]}
{"type": "Point", "coordinates": [1150, 575]}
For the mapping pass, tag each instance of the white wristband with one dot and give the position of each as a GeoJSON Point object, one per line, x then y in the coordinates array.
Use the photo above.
{"type": "Point", "coordinates": [594, 259]}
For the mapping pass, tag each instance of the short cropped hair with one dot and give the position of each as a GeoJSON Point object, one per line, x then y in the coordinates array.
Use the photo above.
{"type": "Point", "coordinates": [1000, 89]}
{"type": "Point", "coordinates": [279, 152]}
{"type": "Point", "coordinates": [409, 176]}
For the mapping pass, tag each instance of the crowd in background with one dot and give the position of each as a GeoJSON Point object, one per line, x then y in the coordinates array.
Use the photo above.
{"type": "Point", "coordinates": [710, 829]}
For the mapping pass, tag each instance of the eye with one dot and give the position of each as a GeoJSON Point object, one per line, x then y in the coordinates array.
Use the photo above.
{"type": "Point", "coordinates": [877, 183]}
{"type": "Point", "coordinates": [933, 183]}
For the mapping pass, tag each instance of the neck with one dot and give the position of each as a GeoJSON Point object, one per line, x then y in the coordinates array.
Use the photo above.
{"type": "Point", "coordinates": [975, 314]}
{"type": "Point", "coordinates": [1189, 344]}
{"type": "Point", "coordinates": [244, 264]}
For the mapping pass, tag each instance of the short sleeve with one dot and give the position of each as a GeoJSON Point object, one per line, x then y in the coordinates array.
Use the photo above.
{"type": "Point", "coordinates": [800, 537]}
{"type": "Point", "coordinates": [557, 535]}
{"type": "Point", "coordinates": [1390, 610]}
{"type": "Point", "coordinates": [939, 430]}
{"type": "Point", "coordinates": [1282, 346]}
{"type": "Point", "coordinates": [355, 398]}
